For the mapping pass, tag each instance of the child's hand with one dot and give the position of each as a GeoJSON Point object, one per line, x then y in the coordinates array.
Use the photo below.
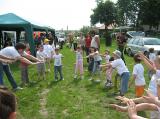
{"type": "Point", "coordinates": [150, 97]}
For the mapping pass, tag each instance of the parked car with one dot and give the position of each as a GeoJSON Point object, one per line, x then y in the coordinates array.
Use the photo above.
{"type": "Point", "coordinates": [142, 44]}
{"type": "Point", "coordinates": [132, 34]}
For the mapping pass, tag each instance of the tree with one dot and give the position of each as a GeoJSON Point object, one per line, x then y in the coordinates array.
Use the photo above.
{"type": "Point", "coordinates": [149, 13]}
{"type": "Point", "coordinates": [105, 13]}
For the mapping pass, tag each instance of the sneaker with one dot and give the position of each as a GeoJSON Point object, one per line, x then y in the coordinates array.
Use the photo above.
{"type": "Point", "coordinates": [17, 88]}
{"type": "Point", "coordinates": [62, 79]}
{"type": "Point", "coordinates": [108, 84]}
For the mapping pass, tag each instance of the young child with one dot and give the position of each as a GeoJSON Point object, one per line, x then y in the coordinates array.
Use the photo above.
{"type": "Point", "coordinates": [41, 66]}
{"type": "Point", "coordinates": [24, 68]}
{"type": "Point", "coordinates": [7, 104]}
{"type": "Point", "coordinates": [152, 57]}
{"type": "Point", "coordinates": [91, 60]}
{"type": "Point", "coordinates": [138, 76]}
{"type": "Point", "coordinates": [57, 64]}
{"type": "Point", "coordinates": [97, 61]}
{"type": "Point", "coordinates": [108, 70]}
{"type": "Point", "coordinates": [122, 70]}
{"type": "Point", "coordinates": [48, 49]}
{"type": "Point", "coordinates": [79, 63]}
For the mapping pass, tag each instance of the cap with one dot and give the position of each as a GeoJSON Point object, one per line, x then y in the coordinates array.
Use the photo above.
{"type": "Point", "coordinates": [46, 40]}
{"type": "Point", "coordinates": [117, 53]}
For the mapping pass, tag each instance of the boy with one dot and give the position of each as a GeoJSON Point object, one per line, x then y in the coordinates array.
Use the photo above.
{"type": "Point", "coordinates": [138, 76]}
{"type": "Point", "coordinates": [57, 64]}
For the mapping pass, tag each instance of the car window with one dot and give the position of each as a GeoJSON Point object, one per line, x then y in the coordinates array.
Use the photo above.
{"type": "Point", "coordinates": [152, 41]}
{"type": "Point", "coordinates": [140, 42]}
{"type": "Point", "coordinates": [135, 41]}
{"type": "Point", "coordinates": [130, 41]}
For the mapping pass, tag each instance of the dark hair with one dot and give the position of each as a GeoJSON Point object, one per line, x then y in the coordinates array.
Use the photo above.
{"type": "Point", "coordinates": [137, 58]}
{"type": "Point", "coordinates": [7, 102]}
{"type": "Point", "coordinates": [20, 46]}
{"type": "Point", "coordinates": [151, 50]}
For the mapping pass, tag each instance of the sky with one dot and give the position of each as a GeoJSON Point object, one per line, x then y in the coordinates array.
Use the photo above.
{"type": "Point", "coordinates": [58, 14]}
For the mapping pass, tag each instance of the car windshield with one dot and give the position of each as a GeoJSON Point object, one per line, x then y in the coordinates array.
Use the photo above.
{"type": "Point", "coordinates": [138, 33]}
{"type": "Point", "coordinates": [152, 41]}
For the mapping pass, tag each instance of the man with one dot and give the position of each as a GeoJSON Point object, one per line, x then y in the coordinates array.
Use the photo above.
{"type": "Point", "coordinates": [95, 40]}
{"type": "Point", "coordinates": [16, 53]}
{"type": "Point", "coordinates": [121, 42]}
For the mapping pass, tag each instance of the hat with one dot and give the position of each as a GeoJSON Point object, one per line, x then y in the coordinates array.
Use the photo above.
{"type": "Point", "coordinates": [117, 53]}
{"type": "Point", "coordinates": [46, 40]}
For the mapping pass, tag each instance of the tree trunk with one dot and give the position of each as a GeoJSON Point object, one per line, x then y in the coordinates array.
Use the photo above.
{"type": "Point", "coordinates": [108, 38]}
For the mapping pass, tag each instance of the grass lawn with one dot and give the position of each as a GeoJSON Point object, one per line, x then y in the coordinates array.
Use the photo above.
{"type": "Point", "coordinates": [68, 99]}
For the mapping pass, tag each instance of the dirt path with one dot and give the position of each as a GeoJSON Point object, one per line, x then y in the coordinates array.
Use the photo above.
{"type": "Point", "coordinates": [43, 101]}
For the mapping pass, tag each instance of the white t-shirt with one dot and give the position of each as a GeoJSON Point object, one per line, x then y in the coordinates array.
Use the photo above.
{"type": "Point", "coordinates": [79, 56]}
{"type": "Point", "coordinates": [120, 66]}
{"type": "Point", "coordinates": [138, 70]}
{"type": "Point", "coordinates": [41, 55]}
{"type": "Point", "coordinates": [57, 59]}
{"type": "Point", "coordinates": [152, 57]}
{"type": "Point", "coordinates": [48, 50]}
{"type": "Point", "coordinates": [10, 52]}
{"type": "Point", "coordinates": [93, 42]}
{"type": "Point", "coordinates": [153, 84]}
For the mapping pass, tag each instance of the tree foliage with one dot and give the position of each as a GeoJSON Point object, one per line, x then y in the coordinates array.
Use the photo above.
{"type": "Point", "coordinates": [105, 13]}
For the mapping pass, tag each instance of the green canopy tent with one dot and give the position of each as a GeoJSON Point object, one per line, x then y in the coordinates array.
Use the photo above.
{"type": "Point", "coordinates": [12, 22]}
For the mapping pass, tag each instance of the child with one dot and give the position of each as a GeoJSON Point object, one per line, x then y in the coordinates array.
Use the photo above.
{"type": "Point", "coordinates": [122, 70]}
{"type": "Point", "coordinates": [152, 57]}
{"type": "Point", "coordinates": [48, 49]}
{"type": "Point", "coordinates": [7, 104]}
{"type": "Point", "coordinates": [91, 60]}
{"type": "Point", "coordinates": [108, 70]}
{"type": "Point", "coordinates": [41, 66]}
{"type": "Point", "coordinates": [79, 63]}
{"type": "Point", "coordinates": [24, 68]}
{"type": "Point", "coordinates": [138, 76]}
{"type": "Point", "coordinates": [57, 64]}
{"type": "Point", "coordinates": [97, 61]}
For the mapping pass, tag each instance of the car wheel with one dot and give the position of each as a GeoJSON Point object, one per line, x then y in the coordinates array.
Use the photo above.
{"type": "Point", "coordinates": [130, 52]}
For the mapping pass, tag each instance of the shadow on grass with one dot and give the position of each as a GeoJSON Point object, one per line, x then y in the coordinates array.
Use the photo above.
{"type": "Point", "coordinates": [53, 83]}
{"type": "Point", "coordinates": [75, 81]}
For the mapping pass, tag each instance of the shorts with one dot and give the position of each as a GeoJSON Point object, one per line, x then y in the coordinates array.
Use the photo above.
{"type": "Point", "coordinates": [139, 91]}
{"type": "Point", "coordinates": [154, 115]}
{"type": "Point", "coordinates": [41, 67]}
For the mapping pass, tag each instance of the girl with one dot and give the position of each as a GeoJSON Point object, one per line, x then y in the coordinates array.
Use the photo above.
{"type": "Point", "coordinates": [97, 61]}
{"type": "Point", "coordinates": [24, 68]}
{"type": "Point", "coordinates": [41, 66]}
{"type": "Point", "coordinates": [108, 70]}
{"type": "Point", "coordinates": [57, 64]}
{"type": "Point", "coordinates": [138, 76]}
{"type": "Point", "coordinates": [79, 63]}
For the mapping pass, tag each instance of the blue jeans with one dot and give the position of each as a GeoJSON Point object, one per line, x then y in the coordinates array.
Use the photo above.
{"type": "Point", "coordinates": [9, 75]}
{"type": "Point", "coordinates": [1, 74]}
{"type": "Point", "coordinates": [56, 70]}
{"type": "Point", "coordinates": [124, 82]}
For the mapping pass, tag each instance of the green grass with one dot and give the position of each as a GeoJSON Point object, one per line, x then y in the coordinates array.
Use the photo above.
{"type": "Point", "coordinates": [68, 99]}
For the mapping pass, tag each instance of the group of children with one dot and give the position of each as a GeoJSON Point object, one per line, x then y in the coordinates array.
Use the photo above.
{"type": "Point", "coordinates": [151, 101]}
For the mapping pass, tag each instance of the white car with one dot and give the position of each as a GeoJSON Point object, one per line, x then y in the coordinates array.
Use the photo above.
{"type": "Point", "coordinates": [142, 44]}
